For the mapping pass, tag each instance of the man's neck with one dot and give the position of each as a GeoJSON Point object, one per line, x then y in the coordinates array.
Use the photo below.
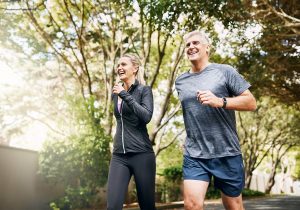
{"type": "Point", "coordinates": [198, 66]}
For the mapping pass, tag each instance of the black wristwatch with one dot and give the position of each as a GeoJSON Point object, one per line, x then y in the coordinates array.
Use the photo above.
{"type": "Point", "coordinates": [224, 102]}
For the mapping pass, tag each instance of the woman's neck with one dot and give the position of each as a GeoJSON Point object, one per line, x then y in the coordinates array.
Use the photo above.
{"type": "Point", "coordinates": [128, 83]}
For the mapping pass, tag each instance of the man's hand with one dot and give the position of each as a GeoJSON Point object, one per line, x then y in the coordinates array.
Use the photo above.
{"type": "Point", "coordinates": [206, 97]}
{"type": "Point", "coordinates": [117, 88]}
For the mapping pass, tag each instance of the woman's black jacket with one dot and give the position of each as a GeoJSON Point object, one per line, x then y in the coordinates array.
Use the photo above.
{"type": "Point", "coordinates": [135, 112]}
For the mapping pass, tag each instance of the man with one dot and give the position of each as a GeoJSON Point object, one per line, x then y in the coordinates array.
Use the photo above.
{"type": "Point", "coordinates": [209, 94]}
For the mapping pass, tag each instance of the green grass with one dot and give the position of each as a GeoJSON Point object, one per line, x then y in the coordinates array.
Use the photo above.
{"type": "Point", "coordinates": [251, 193]}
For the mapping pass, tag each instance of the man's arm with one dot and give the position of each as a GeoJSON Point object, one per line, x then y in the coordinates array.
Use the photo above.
{"type": "Point", "coordinates": [243, 102]}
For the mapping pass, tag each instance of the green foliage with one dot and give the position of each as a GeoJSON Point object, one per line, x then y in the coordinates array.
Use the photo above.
{"type": "Point", "coordinates": [164, 14]}
{"type": "Point", "coordinates": [172, 156]}
{"type": "Point", "coordinates": [74, 198]}
{"type": "Point", "coordinates": [88, 36]}
{"type": "Point", "coordinates": [169, 185]}
{"type": "Point", "coordinates": [173, 173]}
{"type": "Point", "coordinates": [213, 193]}
{"type": "Point", "coordinates": [251, 193]}
{"type": "Point", "coordinates": [267, 134]}
{"type": "Point", "coordinates": [297, 167]}
{"type": "Point", "coordinates": [272, 61]}
{"type": "Point", "coordinates": [80, 161]}
{"type": "Point", "coordinates": [169, 169]}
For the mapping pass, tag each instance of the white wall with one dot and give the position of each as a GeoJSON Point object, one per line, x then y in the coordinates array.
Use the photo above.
{"type": "Point", "coordinates": [283, 183]}
{"type": "Point", "coordinates": [21, 188]}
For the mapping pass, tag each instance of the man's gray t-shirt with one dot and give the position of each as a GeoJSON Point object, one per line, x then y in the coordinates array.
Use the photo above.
{"type": "Point", "coordinates": [211, 132]}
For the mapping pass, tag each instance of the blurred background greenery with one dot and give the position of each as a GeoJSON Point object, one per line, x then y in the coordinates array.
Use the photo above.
{"type": "Point", "coordinates": [57, 61]}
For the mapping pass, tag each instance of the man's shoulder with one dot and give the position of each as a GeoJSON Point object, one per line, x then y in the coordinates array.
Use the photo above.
{"type": "Point", "coordinates": [221, 66]}
{"type": "Point", "coordinates": [182, 75]}
{"type": "Point", "coordinates": [225, 69]}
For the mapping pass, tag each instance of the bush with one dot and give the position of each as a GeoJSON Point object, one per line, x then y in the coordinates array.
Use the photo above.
{"type": "Point", "coordinates": [251, 193]}
{"type": "Point", "coordinates": [169, 188]}
{"type": "Point", "coordinates": [213, 193]}
{"type": "Point", "coordinates": [74, 198]}
{"type": "Point", "coordinates": [173, 173]}
{"type": "Point", "coordinates": [80, 162]}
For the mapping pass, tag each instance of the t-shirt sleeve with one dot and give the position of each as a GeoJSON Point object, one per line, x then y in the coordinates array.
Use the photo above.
{"type": "Point", "coordinates": [235, 82]}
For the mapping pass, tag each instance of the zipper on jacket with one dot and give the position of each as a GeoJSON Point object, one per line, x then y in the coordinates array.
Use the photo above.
{"type": "Point", "coordinates": [123, 145]}
{"type": "Point", "coordinates": [121, 113]}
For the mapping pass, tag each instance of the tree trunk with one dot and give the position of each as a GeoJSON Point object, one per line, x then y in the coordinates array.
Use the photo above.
{"type": "Point", "coordinates": [248, 177]}
{"type": "Point", "coordinates": [271, 180]}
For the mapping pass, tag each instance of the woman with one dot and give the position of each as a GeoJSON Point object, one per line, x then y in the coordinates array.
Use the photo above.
{"type": "Point", "coordinates": [132, 152]}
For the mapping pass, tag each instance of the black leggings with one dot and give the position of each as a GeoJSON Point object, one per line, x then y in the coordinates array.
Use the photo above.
{"type": "Point", "coordinates": [122, 166]}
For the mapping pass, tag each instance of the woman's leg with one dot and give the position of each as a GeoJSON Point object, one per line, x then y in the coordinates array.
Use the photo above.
{"type": "Point", "coordinates": [118, 179]}
{"type": "Point", "coordinates": [144, 168]}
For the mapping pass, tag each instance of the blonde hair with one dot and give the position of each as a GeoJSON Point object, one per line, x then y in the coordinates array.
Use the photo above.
{"type": "Point", "coordinates": [136, 63]}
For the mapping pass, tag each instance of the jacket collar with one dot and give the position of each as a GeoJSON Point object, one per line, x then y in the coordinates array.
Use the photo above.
{"type": "Point", "coordinates": [134, 85]}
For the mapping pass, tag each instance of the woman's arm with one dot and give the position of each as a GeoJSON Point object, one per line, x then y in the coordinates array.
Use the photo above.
{"type": "Point", "coordinates": [144, 110]}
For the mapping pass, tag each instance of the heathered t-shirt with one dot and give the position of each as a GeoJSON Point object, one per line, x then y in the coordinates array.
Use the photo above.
{"type": "Point", "coordinates": [211, 132]}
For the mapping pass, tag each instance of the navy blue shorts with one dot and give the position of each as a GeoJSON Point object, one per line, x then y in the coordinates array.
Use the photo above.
{"type": "Point", "coordinates": [228, 172]}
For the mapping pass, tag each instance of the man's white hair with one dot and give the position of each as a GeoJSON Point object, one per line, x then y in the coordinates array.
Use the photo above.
{"type": "Point", "coordinates": [204, 38]}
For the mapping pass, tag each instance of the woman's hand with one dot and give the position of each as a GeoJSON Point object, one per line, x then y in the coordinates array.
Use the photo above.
{"type": "Point", "coordinates": [117, 88]}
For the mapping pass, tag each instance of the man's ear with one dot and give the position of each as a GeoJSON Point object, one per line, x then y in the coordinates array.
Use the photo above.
{"type": "Point", "coordinates": [207, 48]}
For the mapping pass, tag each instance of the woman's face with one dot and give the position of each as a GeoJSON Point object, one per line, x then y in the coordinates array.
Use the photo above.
{"type": "Point", "coordinates": [125, 69]}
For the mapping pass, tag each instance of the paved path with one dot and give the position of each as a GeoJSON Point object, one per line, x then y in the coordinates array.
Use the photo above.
{"type": "Point", "coordinates": [266, 203]}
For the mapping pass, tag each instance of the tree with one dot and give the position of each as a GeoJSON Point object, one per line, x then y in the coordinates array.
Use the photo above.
{"type": "Point", "coordinates": [271, 131]}
{"type": "Point", "coordinates": [273, 59]}
{"type": "Point", "coordinates": [87, 37]}
{"type": "Point", "coordinates": [74, 32]}
{"type": "Point", "coordinates": [31, 95]}
{"type": "Point", "coordinates": [296, 172]}
{"type": "Point", "coordinates": [80, 162]}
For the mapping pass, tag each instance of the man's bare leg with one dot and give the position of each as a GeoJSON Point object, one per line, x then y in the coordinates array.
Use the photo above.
{"type": "Point", "coordinates": [194, 194]}
{"type": "Point", "coordinates": [232, 203]}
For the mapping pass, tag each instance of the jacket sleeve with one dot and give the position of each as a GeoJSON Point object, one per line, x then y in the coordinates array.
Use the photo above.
{"type": "Point", "coordinates": [144, 110]}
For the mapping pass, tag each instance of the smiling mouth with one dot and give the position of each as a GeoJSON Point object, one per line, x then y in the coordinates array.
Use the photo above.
{"type": "Point", "coordinates": [120, 73]}
{"type": "Point", "coordinates": [193, 52]}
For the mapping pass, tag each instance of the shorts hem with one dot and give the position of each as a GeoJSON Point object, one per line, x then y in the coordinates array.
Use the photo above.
{"type": "Point", "coordinates": [234, 195]}
{"type": "Point", "coordinates": [195, 178]}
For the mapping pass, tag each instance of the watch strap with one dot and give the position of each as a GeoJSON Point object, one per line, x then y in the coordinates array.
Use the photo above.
{"type": "Point", "coordinates": [224, 102]}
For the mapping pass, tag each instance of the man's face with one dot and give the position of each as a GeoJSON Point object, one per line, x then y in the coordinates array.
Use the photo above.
{"type": "Point", "coordinates": [195, 49]}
